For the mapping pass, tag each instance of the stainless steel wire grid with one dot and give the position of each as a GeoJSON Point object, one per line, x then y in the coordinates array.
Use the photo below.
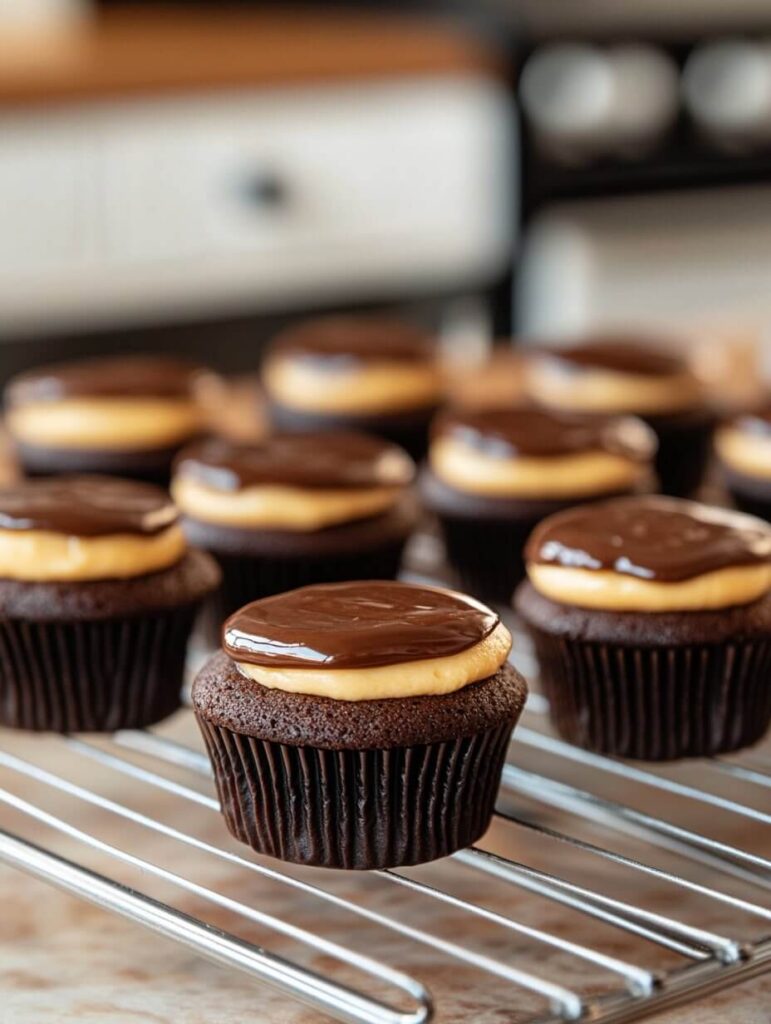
{"type": "Point", "coordinates": [605, 890]}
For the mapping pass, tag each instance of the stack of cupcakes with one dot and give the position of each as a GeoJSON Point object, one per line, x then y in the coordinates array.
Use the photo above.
{"type": "Point", "coordinates": [494, 473]}
{"type": "Point", "coordinates": [296, 509]}
{"type": "Point", "coordinates": [614, 375]}
{"type": "Point", "coordinates": [123, 415]}
{"type": "Point", "coordinates": [355, 373]}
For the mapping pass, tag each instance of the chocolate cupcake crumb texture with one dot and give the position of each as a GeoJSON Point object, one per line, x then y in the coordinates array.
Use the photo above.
{"type": "Point", "coordinates": [652, 538]}
{"type": "Point", "coordinates": [356, 625]}
{"type": "Point", "coordinates": [118, 377]}
{"type": "Point", "coordinates": [86, 506]}
{"type": "Point", "coordinates": [342, 460]}
{"type": "Point", "coordinates": [507, 433]}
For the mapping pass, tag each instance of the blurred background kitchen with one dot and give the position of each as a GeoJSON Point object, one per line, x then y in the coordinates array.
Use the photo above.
{"type": "Point", "coordinates": [188, 177]}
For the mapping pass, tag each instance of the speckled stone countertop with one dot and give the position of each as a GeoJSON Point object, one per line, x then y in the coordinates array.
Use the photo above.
{"type": "Point", "coordinates": [62, 960]}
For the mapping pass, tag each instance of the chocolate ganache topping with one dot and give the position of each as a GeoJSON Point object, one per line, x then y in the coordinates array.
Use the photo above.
{"type": "Point", "coordinates": [617, 355]}
{"type": "Point", "coordinates": [337, 341]}
{"type": "Point", "coordinates": [334, 461]}
{"type": "Point", "coordinates": [508, 432]}
{"type": "Point", "coordinates": [86, 506]}
{"type": "Point", "coordinates": [653, 538]}
{"type": "Point", "coordinates": [756, 421]}
{"type": "Point", "coordinates": [356, 625]}
{"type": "Point", "coordinates": [140, 376]}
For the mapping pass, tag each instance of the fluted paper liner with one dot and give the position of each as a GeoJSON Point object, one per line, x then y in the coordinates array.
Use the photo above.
{"type": "Point", "coordinates": [362, 809]}
{"type": "Point", "coordinates": [487, 553]}
{"type": "Point", "coordinates": [96, 676]}
{"type": "Point", "coordinates": [657, 703]}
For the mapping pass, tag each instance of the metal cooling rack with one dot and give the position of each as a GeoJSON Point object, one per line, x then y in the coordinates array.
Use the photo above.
{"type": "Point", "coordinates": [713, 933]}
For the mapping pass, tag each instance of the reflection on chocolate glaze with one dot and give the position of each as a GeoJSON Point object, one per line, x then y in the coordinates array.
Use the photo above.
{"type": "Point", "coordinates": [86, 506]}
{"type": "Point", "coordinates": [342, 460]}
{"type": "Point", "coordinates": [140, 376]}
{"type": "Point", "coordinates": [508, 432]}
{"type": "Point", "coordinates": [653, 538]}
{"type": "Point", "coordinates": [336, 341]}
{"type": "Point", "coordinates": [356, 625]}
{"type": "Point", "coordinates": [756, 421]}
{"type": "Point", "coordinates": [617, 355]}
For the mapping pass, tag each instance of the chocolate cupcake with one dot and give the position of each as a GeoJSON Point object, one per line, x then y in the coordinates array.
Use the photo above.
{"type": "Point", "coordinates": [743, 448]}
{"type": "Point", "coordinates": [97, 597]}
{"type": "Point", "coordinates": [124, 415]}
{"type": "Point", "coordinates": [295, 509]}
{"type": "Point", "coordinates": [359, 725]}
{"type": "Point", "coordinates": [494, 473]}
{"type": "Point", "coordinates": [652, 624]}
{"type": "Point", "coordinates": [354, 373]}
{"type": "Point", "coordinates": [625, 375]}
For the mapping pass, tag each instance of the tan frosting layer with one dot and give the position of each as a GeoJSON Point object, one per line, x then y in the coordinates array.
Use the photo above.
{"type": "Point", "coordinates": [279, 507]}
{"type": "Point", "coordinates": [611, 591]}
{"type": "Point", "coordinates": [120, 424]}
{"type": "Point", "coordinates": [432, 677]}
{"type": "Point", "coordinates": [609, 391]}
{"type": "Point", "coordinates": [45, 556]}
{"type": "Point", "coordinates": [466, 468]}
{"type": "Point", "coordinates": [356, 389]}
{"type": "Point", "coordinates": [745, 452]}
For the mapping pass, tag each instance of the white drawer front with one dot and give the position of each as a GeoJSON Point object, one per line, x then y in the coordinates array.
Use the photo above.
{"type": "Point", "coordinates": [139, 210]}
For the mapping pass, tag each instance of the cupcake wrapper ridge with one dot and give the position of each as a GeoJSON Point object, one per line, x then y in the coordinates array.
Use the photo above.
{"type": "Point", "coordinates": [657, 704]}
{"type": "Point", "coordinates": [356, 809]}
{"type": "Point", "coordinates": [81, 676]}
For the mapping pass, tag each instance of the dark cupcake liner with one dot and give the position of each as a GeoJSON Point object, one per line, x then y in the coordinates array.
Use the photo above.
{"type": "Point", "coordinates": [356, 809]}
{"type": "Point", "coordinates": [152, 466]}
{"type": "Point", "coordinates": [749, 494]}
{"type": "Point", "coordinates": [407, 429]}
{"type": "Point", "coordinates": [685, 447]}
{"type": "Point", "coordinates": [93, 676]}
{"type": "Point", "coordinates": [487, 554]}
{"type": "Point", "coordinates": [656, 703]}
{"type": "Point", "coordinates": [247, 578]}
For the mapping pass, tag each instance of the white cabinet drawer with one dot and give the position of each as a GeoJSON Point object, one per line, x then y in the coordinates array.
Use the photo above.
{"type": "Point", "coordinates": [127, 211]}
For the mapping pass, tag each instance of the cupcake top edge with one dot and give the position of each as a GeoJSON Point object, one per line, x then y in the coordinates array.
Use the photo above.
{"type": "Point", "coordinates": [108, 377]}
{"type": "Point", "coordinates": [521, 432]}
{"type": "Point", "coordinates": [345, 461]}
{"type": "Point", "coordinates": [357, 625]}
{"type": "Point", "coordinates": [653, 538]}
{"type": "Point", "coordinates": [616, 354]}
{"type": "Point", "coordinates": [86, 506]}
{"type": "Point", "coordinates": [334, 340]}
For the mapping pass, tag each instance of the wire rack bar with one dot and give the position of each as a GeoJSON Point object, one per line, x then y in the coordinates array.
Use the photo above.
{"type": "Point", "coordinates": [686, 842]}
{"type": "Point", "coordinates": [540, 741]}
{"type": "Point", "coordinates": [213, 943]}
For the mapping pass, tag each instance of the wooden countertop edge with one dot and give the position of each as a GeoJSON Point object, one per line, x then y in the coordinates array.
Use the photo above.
{"type": "Point", "coordinates": [128, 53]}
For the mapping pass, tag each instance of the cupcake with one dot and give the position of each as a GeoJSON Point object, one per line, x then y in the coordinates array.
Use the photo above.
{"type": "Point", "coordinates": [651, 618]}
{"type": "Point", "coordinates": [493, 474]}
{"type": "Point", "coordinates": [97, 597]}
{"type": "Point", "coordinates": [359, 725]}
{"type": "Point", "coordinates": [619, 375]}
{"type": "Point", "coordinates": [295, 509]}
{"type": "Point", "coordinates": [743, 448]}
{"type": "Point", "coordinates": [359, 373]}
{"type": "Point", "coordinates": [124, 415]}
